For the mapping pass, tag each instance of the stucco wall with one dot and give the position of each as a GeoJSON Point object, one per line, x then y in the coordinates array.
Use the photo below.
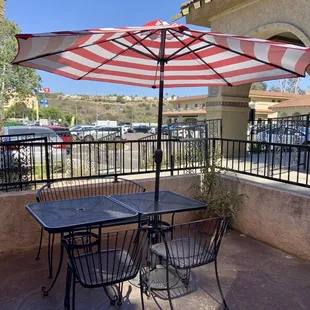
{"type": "Point", "coordinates": [278, 215]}
{"type": "Point", "coordinates": [265, 16]}
{"type": "Point", "coordinates": [19, 231]}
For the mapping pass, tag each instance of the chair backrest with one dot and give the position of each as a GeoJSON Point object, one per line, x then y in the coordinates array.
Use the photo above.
{"type": "Point", "coordinates": [196, 243]}
{"type": "Point", "coordinates": [107, 258]}
{"type": "Point", "coordinates": [80, 188]}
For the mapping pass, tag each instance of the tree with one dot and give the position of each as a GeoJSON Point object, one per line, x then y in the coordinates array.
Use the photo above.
{"type": "Point", "coordinates": [259, 86]}
{"type": "Point", "coordinates": [291, 85]}
{"type": "Point", "coordinates": [15, 81]}
{"type": "Point", "coordinates": [51, 113]}
{"type": "Point", "coordinates": [120, 99]}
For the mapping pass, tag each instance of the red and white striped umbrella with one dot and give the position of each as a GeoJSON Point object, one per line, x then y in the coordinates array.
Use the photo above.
{"type": "Point", "coordinates": [160, 54]}
{"type": "Point", "coordinates": [132, 56]}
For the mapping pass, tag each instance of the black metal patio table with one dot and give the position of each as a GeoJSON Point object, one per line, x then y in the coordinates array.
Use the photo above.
{"type": "Point", "coordinates": [66, 215]}
{"type": "Point", "coordinates": [169, 203]}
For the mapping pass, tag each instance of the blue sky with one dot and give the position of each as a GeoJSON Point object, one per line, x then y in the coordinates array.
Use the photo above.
{"type": "Point", "coordinates": [45, 16]}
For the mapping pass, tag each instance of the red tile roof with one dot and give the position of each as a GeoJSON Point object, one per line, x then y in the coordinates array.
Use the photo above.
{"type": "Point", "coordinates": [273, 94]}
{"type": "Point", "coordinates": [263, 111]}
{"type": "Point", "coordinates": [303, 101]}
{"type": "Point", "coordinates": [186, 113]}
{"type": "Point", "coordinates": [190, 98]}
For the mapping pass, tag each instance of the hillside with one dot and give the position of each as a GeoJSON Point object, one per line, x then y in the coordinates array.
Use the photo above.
{"type": "Point", "coordinates": [87, 108]}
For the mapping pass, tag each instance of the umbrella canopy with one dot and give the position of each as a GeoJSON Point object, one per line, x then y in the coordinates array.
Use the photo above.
{"type": "Point", "coordinates": [131, 56]}
{"type": "Point", "coordinates": [160, 54]}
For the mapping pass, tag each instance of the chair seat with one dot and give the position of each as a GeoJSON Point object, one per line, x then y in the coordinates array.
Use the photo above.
{"type": "Point", "coordinates": [183, 253]}
{"type": "Point", "coordinates": [104, 268]}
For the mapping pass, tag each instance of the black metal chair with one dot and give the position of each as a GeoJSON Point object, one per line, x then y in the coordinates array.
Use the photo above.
{"type": "Point", "coordinates": [103, 260]}
{"type": "Point", "coordinates": [191, 245]}
{"type": "Point", "coordinates": [80, 188]}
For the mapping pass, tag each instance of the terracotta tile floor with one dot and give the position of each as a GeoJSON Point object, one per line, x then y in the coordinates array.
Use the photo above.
{"type": "Point", "coordinates": [253, 276]}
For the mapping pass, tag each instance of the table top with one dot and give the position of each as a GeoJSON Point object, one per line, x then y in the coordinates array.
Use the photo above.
{"type": "Point", "coordinates": [63, 215]}
{"type": "Point", "coordinates": [169, 202]}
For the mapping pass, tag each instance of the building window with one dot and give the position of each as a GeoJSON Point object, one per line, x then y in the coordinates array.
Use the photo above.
{"type": "Point", "coordinates": [196, 105]}
{"type": "Point", "coordinates": [203, 105]}
{"type": "Point", "coordinates": [178, 106]}
{"type": "Point", "coordinates": [273, 101]}
{"type": "Point", "coordinates": [279, 100]}
{"type": "Point", "coordinates": [186, 106]}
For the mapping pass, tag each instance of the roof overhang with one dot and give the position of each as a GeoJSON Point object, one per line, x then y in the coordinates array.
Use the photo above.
{"type": "Point", "coordinates": [202, 12]}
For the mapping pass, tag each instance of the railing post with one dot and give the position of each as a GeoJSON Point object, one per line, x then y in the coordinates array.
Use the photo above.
{"type": "Point", "coordinates": [306, 139]}
{"type": "Point", "coordinates": [213, 152]}
{"type": "Point", "coordinates": [170, 152]}
{"type": "Point", "coordinates": [268, 148]}
{"type": "Point", "coordinates": [47, 163]}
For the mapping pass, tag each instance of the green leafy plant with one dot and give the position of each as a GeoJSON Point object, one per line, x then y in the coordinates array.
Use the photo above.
{"type": "Point", "coordinates": [220, 200]}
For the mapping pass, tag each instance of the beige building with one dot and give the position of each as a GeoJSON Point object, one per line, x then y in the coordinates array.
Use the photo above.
{"type": "Point", "coordinates": [31, 102]}
{"type": "Point", "coordinates": [293, 107]}
{"type": "Point", "coordinates": [193, 108]}
{"type": "Point", "coordinates": [263, 101]}
{"type": "Point", "coordinates": [2, 8]}
{"type": "Point", "coordinates": [278, 20]}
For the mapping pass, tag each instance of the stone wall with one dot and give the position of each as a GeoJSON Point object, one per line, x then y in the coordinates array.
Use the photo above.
{"type": "Point", "coordinates": [19, 231]}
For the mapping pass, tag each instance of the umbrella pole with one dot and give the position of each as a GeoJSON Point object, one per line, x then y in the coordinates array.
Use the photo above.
{"type": "Point", "coordinates": [158, 156]}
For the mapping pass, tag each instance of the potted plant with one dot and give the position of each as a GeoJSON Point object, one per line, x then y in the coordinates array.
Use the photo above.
{"type": "Point", "coordinates": [220, 200]}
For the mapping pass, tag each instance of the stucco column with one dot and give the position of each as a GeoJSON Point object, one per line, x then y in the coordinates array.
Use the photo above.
{"type": "Point", "coordinates": [232, 106]}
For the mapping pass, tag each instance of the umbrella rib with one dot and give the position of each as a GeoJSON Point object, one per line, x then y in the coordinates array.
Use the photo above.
{"type": "Point", "coordinates": [108, 60]}
{"type": "Point", "coordinates": [251, 57]}
{"type": "Point", "coordinates": [189, 52]}
{"type": "Point", "coordinates": [218, 74]}
{"type": "Point", "coordinates": [182, 48]}
{"type": "Point", "coordinates": [68, 50]}
{"type": "Point", "coordinates": [135, 50]}
{"type": "Point", "coordinates": [140, 42]}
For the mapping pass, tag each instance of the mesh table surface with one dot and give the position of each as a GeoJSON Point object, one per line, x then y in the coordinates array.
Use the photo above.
{"type": "Point", "coordinates": [169, 202]}
{"type": "Point", "coordinates": [63, 215]}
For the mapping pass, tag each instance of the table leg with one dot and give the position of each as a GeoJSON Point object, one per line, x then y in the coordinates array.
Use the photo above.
{"type": "Point", "coordinates": [46, 291]}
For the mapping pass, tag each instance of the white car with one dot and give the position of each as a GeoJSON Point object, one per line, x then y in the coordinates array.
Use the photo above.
{"type": "Point", "coordinates": [285, 135]}
{"type": "Point", "coordinates": [32, 155]}
{"type": "Point", "coordinates": [106, 133]}
{"type": "Point", "coordinates": [188, 132]}
{"type": "Point", "coordinates": [79, 131]}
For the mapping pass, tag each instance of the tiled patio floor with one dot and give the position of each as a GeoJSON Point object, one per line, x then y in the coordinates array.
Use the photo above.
{"type": "Point", "coordinates": [253, 276]}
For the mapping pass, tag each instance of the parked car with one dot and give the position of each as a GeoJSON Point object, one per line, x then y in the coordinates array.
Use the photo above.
{"type": "Point", "coordinates": [11, 154]}
{"type": "Point", "coordinates": [65, 134]}
{"type": "Point", "coordinates": [78, 132]}
{"type": "Point", "coordinates": [142, 128]}
{"type": "Point", "coordinates": [153, 130]}
{"type": "Point", "coordinates": [103, 132]}
{"type": "Point", "coordinates": [286, 135]}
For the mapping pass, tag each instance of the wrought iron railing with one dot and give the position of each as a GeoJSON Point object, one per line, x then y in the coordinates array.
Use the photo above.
{"type": "Point", "coordinates": [25, 164]}
{"type": "Point", "coordinates": [289, 163]}
{"type": "Point", "coordinates": [55, 161]}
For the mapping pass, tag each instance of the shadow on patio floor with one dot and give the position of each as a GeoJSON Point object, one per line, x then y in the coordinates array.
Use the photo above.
{"type": "Point", "coordinates": [253, 276]}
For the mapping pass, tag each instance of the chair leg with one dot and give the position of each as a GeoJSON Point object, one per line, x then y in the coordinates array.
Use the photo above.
{"type": "Point", "coordinates": [141, 289]}
{"type": "Point", "coordinates": [73, 292]}
{"type": "Point", "coordinates": [40, 244]}
{"type": "Point", "coordinates": [168, 286]}
{"type": "Point", "coordinates": [120, 294]}
{"type": "Point", "coordinates": [219, 286]}
{"type": "Point", "coordinates": [68, 289]}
